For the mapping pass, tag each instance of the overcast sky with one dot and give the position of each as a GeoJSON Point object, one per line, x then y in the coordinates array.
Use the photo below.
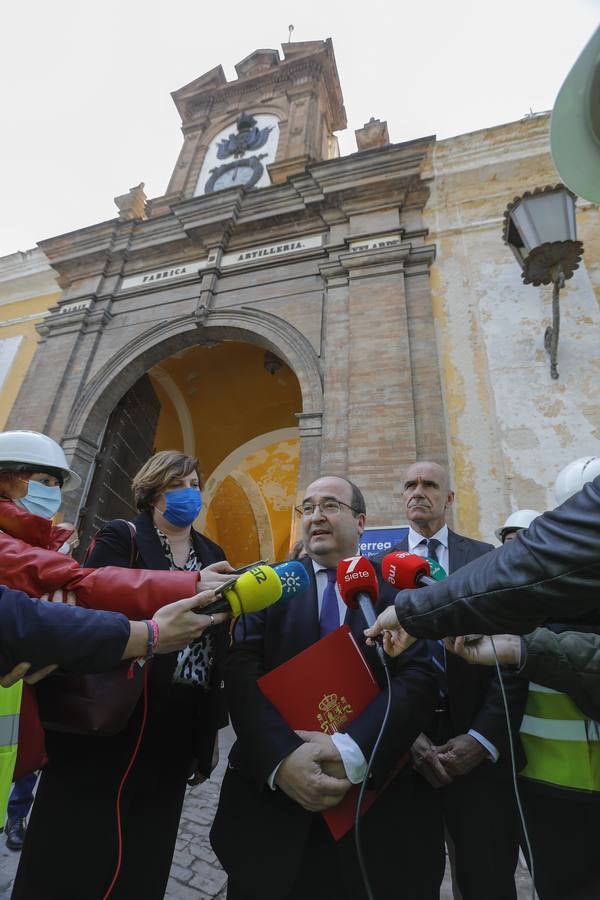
{"type": "Point", "coordinates": [85, 88]}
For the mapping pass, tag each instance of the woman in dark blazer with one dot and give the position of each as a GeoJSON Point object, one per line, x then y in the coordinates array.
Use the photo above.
{"type": "Point", "coordinates": [75, 845]}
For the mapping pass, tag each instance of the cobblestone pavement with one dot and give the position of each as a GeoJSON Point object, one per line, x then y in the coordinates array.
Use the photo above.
{"type": "Point", "coordinates": [196, 874]}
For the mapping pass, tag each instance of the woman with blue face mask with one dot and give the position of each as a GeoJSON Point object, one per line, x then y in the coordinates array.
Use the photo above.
{"type": "Point", "coordinates": [69, 829]}
{"type": "Point", "coordinates": [43, 497]}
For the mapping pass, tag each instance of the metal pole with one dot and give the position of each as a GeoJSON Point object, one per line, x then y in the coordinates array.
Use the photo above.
{"type": "Point", "coordinates": [553, 332]}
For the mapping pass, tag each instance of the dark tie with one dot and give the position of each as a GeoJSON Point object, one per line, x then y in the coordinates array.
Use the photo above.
{"type": "Point", "coordinates": [439, 658]}
{"type": "Point", "coordinates": [329, 619]}
{"type": "Point", "coordinates": [432, 545]}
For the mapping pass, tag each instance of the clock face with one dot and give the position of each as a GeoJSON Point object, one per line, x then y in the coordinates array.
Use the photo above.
{"type": "Point", "coordinates": [239, 154]}
{"type": "Point", "coordinates": [241, 173]}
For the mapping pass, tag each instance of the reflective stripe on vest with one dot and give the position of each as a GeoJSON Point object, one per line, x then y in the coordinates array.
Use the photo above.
{"type": "Point", "coordinates": [10, 703]}
{"type": "Point", "coordinates": [562, 745]}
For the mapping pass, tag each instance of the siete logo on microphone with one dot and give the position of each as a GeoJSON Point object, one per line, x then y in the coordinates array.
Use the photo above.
{"type": "Point", "coordinates": [350, 574]}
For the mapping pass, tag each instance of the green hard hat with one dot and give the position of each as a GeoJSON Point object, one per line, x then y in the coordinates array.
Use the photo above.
{"type": "Point", "coordinates": [575, 124]}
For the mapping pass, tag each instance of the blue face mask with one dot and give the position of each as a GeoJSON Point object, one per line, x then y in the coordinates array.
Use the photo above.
{"type": "Point", "coordinates": [182, 506]}
{"type": "Point", "coordinates": [40, 500]}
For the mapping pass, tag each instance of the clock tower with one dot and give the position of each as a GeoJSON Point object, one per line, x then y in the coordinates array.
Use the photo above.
{"type": "Point", "coordinates": [276, 118]}
{"type": "Point", "coordinates": [271, 313]}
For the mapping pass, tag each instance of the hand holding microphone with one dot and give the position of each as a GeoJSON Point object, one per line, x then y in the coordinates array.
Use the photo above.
{"type": "Point", "coordinates": [258, 588]}
{"type": "Point", "coordinates": [213, 577]}
{"type": "Point", "coordinates": [484, 651]}
{"type": "Point", "coordinates": [402, 570]}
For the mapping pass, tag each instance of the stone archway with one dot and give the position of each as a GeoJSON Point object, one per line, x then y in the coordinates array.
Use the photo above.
{"type": "Point", "coordinates": [129, 363]}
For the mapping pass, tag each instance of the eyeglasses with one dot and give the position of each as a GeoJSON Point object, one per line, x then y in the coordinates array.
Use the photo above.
{"type": "Point", "coordinates": [328, 507]}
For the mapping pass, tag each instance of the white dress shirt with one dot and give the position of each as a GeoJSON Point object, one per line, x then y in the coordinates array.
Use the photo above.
{"type": "Point", "coordinates": [416, 545]}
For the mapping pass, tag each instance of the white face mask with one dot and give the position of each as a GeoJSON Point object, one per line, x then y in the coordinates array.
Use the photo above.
{"type": "Point", "coordinates": [41, 500]}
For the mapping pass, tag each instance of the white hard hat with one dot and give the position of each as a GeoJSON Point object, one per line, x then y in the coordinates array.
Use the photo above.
{"type": "Point", "coordinates": [573, 477]}
{"type": "Point", "coordinates": [24, 448]}
{"type": "Point", "coordinates": [521, 518]}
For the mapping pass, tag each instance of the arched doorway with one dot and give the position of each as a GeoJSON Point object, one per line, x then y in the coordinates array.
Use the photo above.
{"type": "Point", "coordinates": [233, 405]}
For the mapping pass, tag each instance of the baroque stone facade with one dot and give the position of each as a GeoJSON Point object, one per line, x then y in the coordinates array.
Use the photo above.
{"type": "Point", "coordinates": [378, 279]}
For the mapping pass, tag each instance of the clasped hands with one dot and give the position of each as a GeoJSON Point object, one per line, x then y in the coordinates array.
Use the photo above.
{"type": "Point", "coordinates": [440, 765]}
{"type": "Point", "coordinates": [314, 775]}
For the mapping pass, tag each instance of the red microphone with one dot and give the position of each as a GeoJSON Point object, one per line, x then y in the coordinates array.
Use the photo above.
{"type": "Point", "coordinates": [406, 570]}
{"type": "Point", "coordinates": [357, 583]}
{"type": "Point", "coordinates": [358, 586]}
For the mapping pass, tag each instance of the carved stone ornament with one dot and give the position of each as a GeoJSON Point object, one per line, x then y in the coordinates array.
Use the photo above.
{"type": "Point", "coordinates": [249, 138]}
{"type": "Point", "coordinates": [132, 205]}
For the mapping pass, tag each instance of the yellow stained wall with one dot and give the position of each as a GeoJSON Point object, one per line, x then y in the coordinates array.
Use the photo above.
{"type": "Point", "coordinates": [36, 306]}
{"type": "Point", "coordinates": [231, 400]}
{"type": "Point", "coordinates": [510, 427]}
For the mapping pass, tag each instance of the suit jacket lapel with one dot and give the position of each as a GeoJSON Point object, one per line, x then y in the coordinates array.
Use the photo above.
{"type": "Point", "coordinates": [203, 554]}
{"type": "Point", "coordinates": [302, 613]}
{"type": "Point", "coordinates": [457, 551]}
{"type": "Point", "coordinates": [148, 543]}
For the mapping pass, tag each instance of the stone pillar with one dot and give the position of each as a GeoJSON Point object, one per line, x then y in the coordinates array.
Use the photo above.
{"type": "Point", "coordinates": [310, 426]}
{"type": "Point", "coordinates": [335, 353]}
{"type": "Point", "coordinates": [382, 404]}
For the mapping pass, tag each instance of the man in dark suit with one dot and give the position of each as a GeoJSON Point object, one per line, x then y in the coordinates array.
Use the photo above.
{"type": "Point", "coordinates": [268, 833]}
{"type": "Point", "coordinates": [463, 754]}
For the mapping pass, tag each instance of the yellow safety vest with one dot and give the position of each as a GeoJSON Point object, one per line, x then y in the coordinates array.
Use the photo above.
{"type": "Point", "coordinates": [10, 704]}
{"type": "Point", "coordinates": [561, 743]}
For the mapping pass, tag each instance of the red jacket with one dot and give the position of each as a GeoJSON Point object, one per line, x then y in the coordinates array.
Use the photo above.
{"type": "Point", "coordinates": [29, 563]}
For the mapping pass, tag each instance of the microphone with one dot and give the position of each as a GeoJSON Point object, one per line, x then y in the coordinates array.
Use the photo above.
{"type": "Point", "coordinates": [243, 594]}
{"type": "Point", "coordinates": [357, 583]}
{"type": "Point", "coordinates": [256, 589]}
{"type": "Point", "coordinates": [406, 570]}
{"type": "Point", "coordinates": [358, 586]}
{"type": "Point", "coordinates": [436, 571]}
{"type": "Point", "coordinates": [293, 577]}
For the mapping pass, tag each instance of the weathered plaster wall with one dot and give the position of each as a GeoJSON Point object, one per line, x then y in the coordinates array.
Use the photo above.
{"type": "Point", "coordinates": [510, 427]}
{"type": "Point", "coordinates": [28, 288]}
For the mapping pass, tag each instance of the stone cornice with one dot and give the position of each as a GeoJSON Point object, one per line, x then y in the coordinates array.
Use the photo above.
{"type": "Point", "coordinates": [527, 138]}
{"type": "Point", "coordinates": [26, 276]}
{"type": "Point", "coordinates": [326, 193]}
{"type": "Point", "coordinates": [209, 92]}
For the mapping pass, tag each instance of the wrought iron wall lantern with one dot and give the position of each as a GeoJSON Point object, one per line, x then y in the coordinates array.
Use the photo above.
{"type": "Point", "coordinates": [539, 228]}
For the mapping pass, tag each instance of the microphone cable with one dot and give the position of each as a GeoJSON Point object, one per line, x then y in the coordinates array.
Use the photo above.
{"type": "Point", "coordinates": [363, 788]}
{"type": "Point", "coordinates": [122, 786]}
{"type": "Point", "coordinates": [513, 766]}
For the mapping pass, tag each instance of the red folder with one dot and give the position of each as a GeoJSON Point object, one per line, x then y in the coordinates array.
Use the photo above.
{"type": "Point", "coordinates": [323, 689]}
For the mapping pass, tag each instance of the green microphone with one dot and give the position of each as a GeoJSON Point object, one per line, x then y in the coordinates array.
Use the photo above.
{"type": "Point", "coordinates": [436, 571]}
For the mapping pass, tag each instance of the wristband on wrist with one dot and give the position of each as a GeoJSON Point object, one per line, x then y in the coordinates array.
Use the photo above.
{"type": "Point", "coordinates": [153, 637]}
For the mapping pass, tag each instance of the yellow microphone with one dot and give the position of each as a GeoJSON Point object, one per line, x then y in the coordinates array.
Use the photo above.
{"type": "Point", "coordinates": [256, 589]}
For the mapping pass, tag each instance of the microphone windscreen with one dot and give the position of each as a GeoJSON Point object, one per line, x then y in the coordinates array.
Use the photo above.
{"type": "Point", "coordinates": [437, 572]}
{"type": "Point", "coordinates": [293, 577]}
{"type": "Point", "coordinates": [354, 576]}
{"type": "Point", "coordinates": [403, 570]}
{"type": "Point", "coordinates": [254, 590]}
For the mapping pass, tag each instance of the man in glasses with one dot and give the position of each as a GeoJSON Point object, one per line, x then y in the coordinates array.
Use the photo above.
{"type": "Point", "coordinates": [268, 832]}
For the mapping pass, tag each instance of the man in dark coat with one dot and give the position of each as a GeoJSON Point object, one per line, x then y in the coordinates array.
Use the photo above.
{"type": "Point", "coordinates": [268, 833]}
{"type": "Point", "coordinates": [463, 755]}
{"type": "Point", "coordinates": [549, 572]}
